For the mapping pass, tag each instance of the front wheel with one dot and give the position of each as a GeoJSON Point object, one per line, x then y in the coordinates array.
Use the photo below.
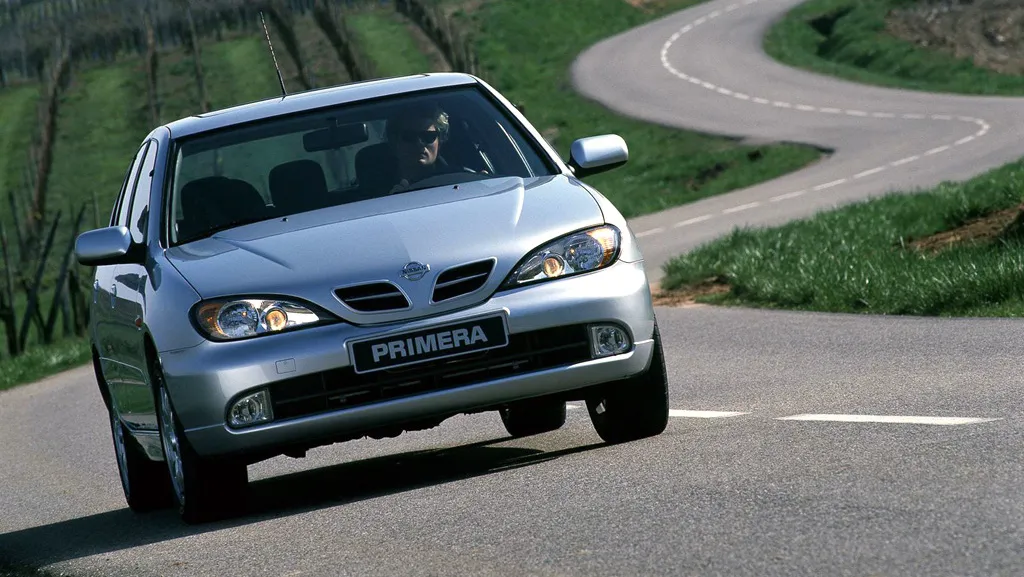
{"type": "Point", "coordinates": [145, 482]}
{"type": "Point", "coordinates": [205, 489]}
{"type": "Point", "coordinates": [635, 408]}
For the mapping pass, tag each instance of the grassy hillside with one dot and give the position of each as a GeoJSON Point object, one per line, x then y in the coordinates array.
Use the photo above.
{"type": "Point", "coordinates": [886, 256]}
{"type": "Point", "coordinates": [850, 39]}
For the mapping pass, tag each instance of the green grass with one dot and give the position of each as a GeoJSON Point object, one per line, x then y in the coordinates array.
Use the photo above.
{"type": "Point", "coordinates": [858, 48]}
{"type": "Point", "coordinates": [17, 123]}
{"type": "Point", "coordinates": [386, 41]}
{"type": "Point", "coordinates": [42, 361]}
{"type": "Point", "coordinates": [854, 259]}
{"type": "Point", "coordinates": [526, 49]}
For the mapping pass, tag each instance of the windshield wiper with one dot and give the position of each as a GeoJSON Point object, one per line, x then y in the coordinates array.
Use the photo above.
{"type": "Point", "coordinates": [230, 224]}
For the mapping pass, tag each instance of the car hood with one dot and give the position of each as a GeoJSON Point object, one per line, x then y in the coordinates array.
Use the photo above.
{"type": "Point", "coordinates": [308, 255]}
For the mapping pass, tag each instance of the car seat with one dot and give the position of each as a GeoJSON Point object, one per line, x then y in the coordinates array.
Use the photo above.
{"type": "Point", "coordinates": [298, 186]}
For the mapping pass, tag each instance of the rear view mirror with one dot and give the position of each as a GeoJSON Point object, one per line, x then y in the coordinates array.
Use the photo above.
{"type": "Point", "coordinates": [334, 137]}
{"type": "Point", "coordinates": [105, 246]}
{"type": "Point", "coordinates": [596, 154]}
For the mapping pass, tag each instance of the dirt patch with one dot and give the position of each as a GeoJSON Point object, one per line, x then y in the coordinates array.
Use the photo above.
{"type": "Point", "coordinates": [983, 230]}
{"type": "Point", "coordinates": [990, 32]}
{"type": "Point", "coordinates": [687, 295]}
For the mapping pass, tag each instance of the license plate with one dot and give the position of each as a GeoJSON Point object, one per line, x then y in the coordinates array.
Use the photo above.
{"type": "Point", "coordinates": [429, 344]}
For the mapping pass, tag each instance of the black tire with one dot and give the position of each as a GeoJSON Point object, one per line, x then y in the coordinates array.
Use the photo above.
{"type": "Point", "coordinates": [635, 408]}
{"type": "Point", "coordinates": [533, 417]}
{"type": "Point", "coordinates": [208, 489]}
{"type": "Point", "coordinates": [146, 484]}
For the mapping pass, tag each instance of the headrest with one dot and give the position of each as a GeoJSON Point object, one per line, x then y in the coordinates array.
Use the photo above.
{"type": "Point", "coordinates": [298, 186]}
{"type": "Point", "coordinates": [376, 168]}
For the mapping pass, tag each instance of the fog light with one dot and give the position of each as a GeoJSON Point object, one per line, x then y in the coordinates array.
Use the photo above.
{"type": "Point", "coordinates": [608, 340]}
{"type": "Point", "coordinates": [251, 409]}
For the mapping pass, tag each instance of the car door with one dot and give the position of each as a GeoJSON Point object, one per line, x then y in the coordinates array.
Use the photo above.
{"type": "Point", "coordinates": [104, 295]}
{"type": "Point", "coordinates": [118, 347]}
{"type": "Point", "coordinates": [132, 281]}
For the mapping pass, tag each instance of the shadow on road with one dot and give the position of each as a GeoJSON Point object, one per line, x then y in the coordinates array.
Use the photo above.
{"type": "Point", "coordinates": [275, 497]}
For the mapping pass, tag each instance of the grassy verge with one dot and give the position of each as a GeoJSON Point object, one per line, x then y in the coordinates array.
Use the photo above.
{"type": "Point", "coordinates": [850, 41]}
{"type": "Point", "coordinates": [42, 361]}
{"type": "Point", "coordinates": [526, 48]}
{"type": "Point", "coordinates": [862, 257]}
{"type": "Point", "coordinates": [384, 37]}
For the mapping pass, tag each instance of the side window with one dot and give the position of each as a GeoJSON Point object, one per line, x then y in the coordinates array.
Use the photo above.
{"type": "Point", "coordinates": [129, 177]}
{"type": "Point", "coordinates": [140, 200]}
{"type": "Point", "coordinates": [125, 202]}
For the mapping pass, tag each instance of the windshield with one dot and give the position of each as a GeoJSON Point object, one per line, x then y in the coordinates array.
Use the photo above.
{"type": "Point", "coordinates": [351, 153]}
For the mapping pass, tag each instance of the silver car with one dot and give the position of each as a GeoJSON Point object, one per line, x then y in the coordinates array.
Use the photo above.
{"type": "Point", "coordinates": [359, 261]}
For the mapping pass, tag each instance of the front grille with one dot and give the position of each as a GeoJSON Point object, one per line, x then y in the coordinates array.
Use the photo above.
{"type": "Point", "coordinates": [344, 388]}
{"type": "Point", "coordinates": [461, 280]}
{"type": "Point", "coordinates": [373, 297]}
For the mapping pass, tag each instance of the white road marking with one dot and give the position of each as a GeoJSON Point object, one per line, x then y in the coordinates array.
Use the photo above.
{"type": "Point", "coordinates": [650, 232]}
{"type": "Point", "coordinates": [903, 161]}
{"type": "Point", "coordinates": [747, 206]}
{"type": "Point", "coordinates": [829, 184]}
{"type": "Point", "coordinates": [788, 195]}
{"type": "Point", "coordinates": [887, 419]}
{"type": "Point", "coordinates": [984, 126]}
{"type": "Point", "coordinates": [703, 414]}
{"type": "Point", "coordinates": [869, 172]}
{"type": "Point", "coordinates": [690, 221]}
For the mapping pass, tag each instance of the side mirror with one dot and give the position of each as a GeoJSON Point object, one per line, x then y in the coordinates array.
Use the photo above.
{"type": "Point", "coordinates": [596, 154]}
{"type": "Point", "coordinates": [106, 246]}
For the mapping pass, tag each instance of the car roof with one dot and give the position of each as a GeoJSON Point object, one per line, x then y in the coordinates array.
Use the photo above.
{"type": "Point", "coordinates": [310, 99]}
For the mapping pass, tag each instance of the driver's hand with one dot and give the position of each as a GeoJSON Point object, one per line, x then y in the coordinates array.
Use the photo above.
{"type": "Point", "coordinates": [402, 185]}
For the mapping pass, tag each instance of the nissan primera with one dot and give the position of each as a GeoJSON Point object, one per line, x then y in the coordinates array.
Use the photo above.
{"type": "Point", "coordinates": [359, 261]}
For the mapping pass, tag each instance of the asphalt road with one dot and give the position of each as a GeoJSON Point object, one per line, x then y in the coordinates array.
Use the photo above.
{"type": "Point", "coordinates": [735, 486]}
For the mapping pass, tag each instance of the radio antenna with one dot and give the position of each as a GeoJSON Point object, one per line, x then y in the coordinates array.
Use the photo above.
{"type": "Point", "coordinates": [280, 78]}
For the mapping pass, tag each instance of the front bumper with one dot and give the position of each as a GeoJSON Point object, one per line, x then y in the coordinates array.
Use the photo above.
{"type": "Point", "coordinates": [204, 380]}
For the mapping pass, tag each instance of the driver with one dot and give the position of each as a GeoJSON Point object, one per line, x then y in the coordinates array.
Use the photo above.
{"type": "Point", "coordinates": [415, 136]}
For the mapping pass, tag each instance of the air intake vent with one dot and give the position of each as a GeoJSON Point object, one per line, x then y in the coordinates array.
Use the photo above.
{"type": "Point", "coordinates": [373, 298]}
{"type": "Point", "coordinates": [461, 280]}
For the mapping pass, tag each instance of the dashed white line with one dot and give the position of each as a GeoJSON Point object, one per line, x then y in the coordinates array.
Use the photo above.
{"type": "Point", "coordinates": [830, 184]}
{"type": "Point", "coordinates": [649, 232]}
{"type": "Point", "coordinates": [690, 221]}
{"type": "Point", "coordinates": [666, 63]}
{"type": "Point", "coordinates": [703, 414]}
{"type": "Point", "coordinates": [869, 172]}
{"type": "Point", "coordinates": [788, 195]}
{"type": "Point", "coordinates": [747, 206]}
{"type": "Point", "coordinates": [903, 161]}
{"type": "Point", "coordinates": [917, 420]}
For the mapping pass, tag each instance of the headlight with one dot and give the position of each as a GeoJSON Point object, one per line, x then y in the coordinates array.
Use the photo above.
{"type": "Point", "coordinates": [231, 319]}
{"type": "Point", "coordinates": [576, 253]}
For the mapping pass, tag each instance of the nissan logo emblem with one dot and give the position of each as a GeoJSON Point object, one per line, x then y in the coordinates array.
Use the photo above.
{"type": "Point", "coordinates": [415, 270]}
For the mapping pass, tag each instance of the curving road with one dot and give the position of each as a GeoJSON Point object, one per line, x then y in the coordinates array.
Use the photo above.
{"type": "Point", "coordinates": [920, 474]}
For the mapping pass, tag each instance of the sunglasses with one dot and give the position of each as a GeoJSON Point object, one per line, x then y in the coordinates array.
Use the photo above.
{"type": "Point", "coordinates": [424, 137]}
